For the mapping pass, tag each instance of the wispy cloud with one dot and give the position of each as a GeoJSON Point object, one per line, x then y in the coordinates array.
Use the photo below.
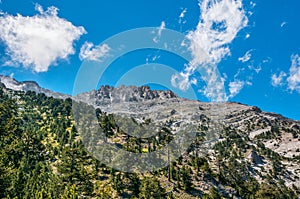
{"type": "Point", "coordinates": [283, 24]}
{"type": "Point", "coordinates": [258, 69]}
{"type": "Point", "coordinates": [182, 15]}
{"type": "Point", "coordinates": [277, 80]}
{"type": "Point", "coordinates": [219, 24]}
{"type": "Point", "coordinates": [252, 4]}
{"type": "Point", "coordinates": [294, 75]}
{"type": "Point", "coordinates": [152, 58]}
{"type": "Point", "coordinates": [159, 31]}
{"type": "Point", "coordinates": [241, 79]}
{"type": "Point", "coordinates": [290, 80]}
{"type": "Point", "coordinates": [93, 53]}
{"type": "Point", "coordinates": [246, 57]}
{"type": "Point", "coordinates": [161, 28]}
{"type": "Point", "coordinates": [236, 86]}
{"type": "Point", "coordinates": [38, 41]}
{"type": "Point", "coordinates": [182, 81]}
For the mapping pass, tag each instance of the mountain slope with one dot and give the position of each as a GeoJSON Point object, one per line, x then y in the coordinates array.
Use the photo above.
{"type": "Point", "coordinates": [253, 154]}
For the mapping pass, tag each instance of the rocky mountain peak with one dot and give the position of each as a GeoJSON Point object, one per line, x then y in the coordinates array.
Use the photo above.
{"type": "Point", "coordinates": [25, 86]}
{"type": "Point", "coordinates": [131, 94]}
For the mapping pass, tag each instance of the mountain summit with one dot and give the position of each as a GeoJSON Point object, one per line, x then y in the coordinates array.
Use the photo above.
{"type": "Point", "coordinates": [25, 86]}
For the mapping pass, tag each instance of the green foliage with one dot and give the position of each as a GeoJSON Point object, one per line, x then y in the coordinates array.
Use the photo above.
{"type": "Point", "coordinates": [213, 194]}
{"type": "Point", "coordinates": [186, 178]}
{"type": "Point", "coordinates": [151, 189]}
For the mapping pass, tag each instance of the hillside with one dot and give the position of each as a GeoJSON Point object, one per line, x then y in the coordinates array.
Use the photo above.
{"type": "Point", "coordinates": [44, 152]}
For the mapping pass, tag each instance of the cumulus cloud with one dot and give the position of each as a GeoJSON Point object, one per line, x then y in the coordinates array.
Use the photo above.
{"type": "Point", "coordinates": [294, 74]}
{"type": "Point", "coordinates": [246, 57]}
{"type": "Point", "coordinates": [38, 41]}
{"type": "Point", "coordinates": [219, 24]}
{"type": "Point", "coordinates": [220, 21]}
{"type": "Point", "coordinates": [277, 80]}
{"type": "Point", "coordinates": [93, 53]}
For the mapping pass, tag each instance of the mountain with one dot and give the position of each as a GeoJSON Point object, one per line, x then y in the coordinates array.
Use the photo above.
{"type": "Point", "coordinates": [250, 153]}
{"type": "Point", "coordinates": [143, 102]}
{"type": "Point", "coordinates": [13, 84]}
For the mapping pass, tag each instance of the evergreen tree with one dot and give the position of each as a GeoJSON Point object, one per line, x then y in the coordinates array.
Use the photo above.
{"type": "Point", "coordinates": [150, 189]}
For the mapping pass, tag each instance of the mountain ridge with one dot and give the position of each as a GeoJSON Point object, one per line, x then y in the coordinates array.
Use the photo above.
{"type": "Point", "coordinates": [13, 84]}
{"type": "Point", "coordinates": [265, 146]}
{"type": "Point", "coordinates": [103, 93]}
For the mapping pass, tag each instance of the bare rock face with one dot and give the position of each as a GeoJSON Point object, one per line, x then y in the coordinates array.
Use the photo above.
{"type": "Point", "coordinates": [254, 157]}
{"type": "Point", "coordinates": [108, 94]}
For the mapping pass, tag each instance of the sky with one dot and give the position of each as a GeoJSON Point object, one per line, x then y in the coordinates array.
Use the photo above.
{"type": "Point", "coordinates": [245, 51]}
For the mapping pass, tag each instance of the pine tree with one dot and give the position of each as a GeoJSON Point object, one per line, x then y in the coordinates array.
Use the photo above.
{"type": "Point", "coordinates": [150, 189]}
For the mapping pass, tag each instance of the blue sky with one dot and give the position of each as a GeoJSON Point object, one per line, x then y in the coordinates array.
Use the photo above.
{"type": "Point", "coordinates": [254, 47]}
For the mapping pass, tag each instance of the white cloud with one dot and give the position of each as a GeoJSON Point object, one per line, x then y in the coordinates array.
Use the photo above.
{"type": "Point", "coordinates": [252, 4]}
{"type": "Point", "coordinates": [93, 53]}
{"type": "Point", "coordinates": [182, 15]}
{"type": "Point", "coordinates": [219, 23]}
{"type": "Point", "coordinates": [40, 9]}
{"type": "Point", "coordinates": [292, 79]}
{"type": "Point", "coordinates": [246, 57]}
{"type": "Point", "coordinates": [160, 29]}
{"type": "Point", "coordinates": [38, 41]}
{"type": "Point", "coordinates": [258, 69]}
{"type": "Point", "coordinates": [247, 36]}
{"type": "Point", "coordinates": [156, 57]}
{"type": "Point", "coordinates": [152, 58]}
{"type": "Point", "coordinates": [294, 76]}
{"type": "Point", "coordinates": [267, 60]}
{"type": "Point", "coordinates": [283, 24]}
{"type": "Point", "coordinates": [181, 81]}
{"type": "Point", "coordinates": [277, 80]}
{"type": "Point", "coordinates": [236, 86]}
